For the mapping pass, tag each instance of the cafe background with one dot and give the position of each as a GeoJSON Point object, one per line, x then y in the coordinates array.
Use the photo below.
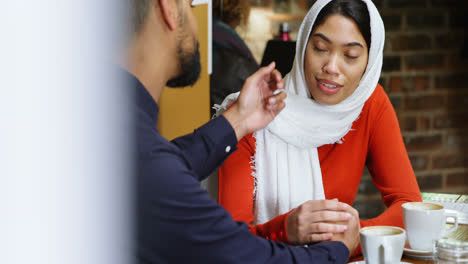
{"type": "Point", "coordinates": [424, 70]}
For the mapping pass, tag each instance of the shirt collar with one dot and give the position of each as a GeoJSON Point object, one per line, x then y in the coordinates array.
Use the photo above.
{"type": "Point", "coordinates": [144, 100]}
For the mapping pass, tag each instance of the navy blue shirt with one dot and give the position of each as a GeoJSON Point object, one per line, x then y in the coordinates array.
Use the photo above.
{"type": "Point", "coordinates": [177, 220]}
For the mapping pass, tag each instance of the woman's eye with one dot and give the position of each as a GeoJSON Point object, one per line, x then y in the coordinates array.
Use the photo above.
{"type": "Point", "coordinates": [319, 50]}
{"type": "Point", "coordinates": [352, 57]}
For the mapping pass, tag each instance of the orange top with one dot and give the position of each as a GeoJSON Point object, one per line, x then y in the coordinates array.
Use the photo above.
{"type": "Point", "coordinates": [375, 141]}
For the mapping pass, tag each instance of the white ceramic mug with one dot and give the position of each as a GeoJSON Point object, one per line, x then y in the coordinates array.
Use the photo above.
{"type": "Point", "coordinates": [425, 224]}
{"type": "Point", "coordinates": [382, 244]}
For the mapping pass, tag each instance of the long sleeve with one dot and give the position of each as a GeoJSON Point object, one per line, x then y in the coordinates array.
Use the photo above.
{"type": "Point", "coordinates": [178, 222]}
{"type": "Point", "coordinates": [375, 141]}
{"type": "Point", "coordinates": [236, 192]}
{"type": "Point", "coordinates": [390, 167]}
{"type": "Point", "coordinates": [199, 148]}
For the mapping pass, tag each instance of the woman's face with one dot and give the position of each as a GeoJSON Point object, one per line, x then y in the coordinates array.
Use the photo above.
{"type": "Point", "coordinates": [335, 60]}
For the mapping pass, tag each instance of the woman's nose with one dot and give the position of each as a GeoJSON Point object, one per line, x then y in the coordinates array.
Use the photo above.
{"type": "Point", "coordinates": [331, 66]}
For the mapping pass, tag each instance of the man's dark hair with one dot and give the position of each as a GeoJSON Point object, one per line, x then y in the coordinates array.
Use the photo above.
{"type": "Point", "coordinates": [139, 11]}
{"type": "Point", "coordinates": [353, 9]}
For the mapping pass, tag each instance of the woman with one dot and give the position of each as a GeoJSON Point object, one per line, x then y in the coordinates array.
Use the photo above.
{"type": "Point", "coordinates": [336, 121]}
{"type": "Point", "coordinates": [232, 60]}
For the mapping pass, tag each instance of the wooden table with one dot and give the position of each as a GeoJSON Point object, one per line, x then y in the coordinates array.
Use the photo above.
{"type": "Point", "coordinates": [460, 234]}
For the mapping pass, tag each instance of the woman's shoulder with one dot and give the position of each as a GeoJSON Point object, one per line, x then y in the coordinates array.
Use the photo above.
{"type": "Point", "coordinates": [379, 96]}
{"type": "Point", "coordinates": [377, 102]}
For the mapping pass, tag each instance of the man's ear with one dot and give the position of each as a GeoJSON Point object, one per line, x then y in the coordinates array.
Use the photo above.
{"type": "Point", "coordinates": [169, 12]}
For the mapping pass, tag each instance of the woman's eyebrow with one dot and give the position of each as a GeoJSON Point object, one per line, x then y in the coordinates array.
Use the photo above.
{"type": "Point", "coordinates": [320, 35]}
{"type": "Point", "coordinates": [351, 44]}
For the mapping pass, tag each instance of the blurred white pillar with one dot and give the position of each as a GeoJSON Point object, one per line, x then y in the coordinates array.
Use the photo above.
{"type": "Point", "coordinates": [65, 167]}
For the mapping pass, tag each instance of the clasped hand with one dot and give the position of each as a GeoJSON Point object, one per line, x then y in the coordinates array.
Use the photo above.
{"type": "Point", "coordinates": [324, 220]}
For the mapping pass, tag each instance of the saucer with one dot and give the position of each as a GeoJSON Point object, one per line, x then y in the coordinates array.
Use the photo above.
{"type": "Point", "coordinates": [363, 262]}
{"type": "Point", "coordinates": [418, 254]}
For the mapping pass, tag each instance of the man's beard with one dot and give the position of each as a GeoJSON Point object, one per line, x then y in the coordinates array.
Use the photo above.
{"type": "Point", "coordinates": [191, 68]}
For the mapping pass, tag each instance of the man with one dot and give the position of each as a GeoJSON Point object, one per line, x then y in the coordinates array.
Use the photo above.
{"type": "Point", "coordinates": [177, 221]}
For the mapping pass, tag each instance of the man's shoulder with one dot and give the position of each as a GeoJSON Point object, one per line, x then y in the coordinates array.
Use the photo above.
{"type": "Point", "coordinates": [160, 162]}
{"type": "Point", "coordinates": [150, 143]}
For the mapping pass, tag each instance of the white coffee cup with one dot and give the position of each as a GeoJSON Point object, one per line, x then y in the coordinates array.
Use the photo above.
{"type": "Point", "coordinates": [425, 224]}
{"type": "Point", "coordinates": [382, 244]}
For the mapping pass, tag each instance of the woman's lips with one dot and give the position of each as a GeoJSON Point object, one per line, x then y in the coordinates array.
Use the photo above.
{"type": "Point", "coordinates": [328, 87]}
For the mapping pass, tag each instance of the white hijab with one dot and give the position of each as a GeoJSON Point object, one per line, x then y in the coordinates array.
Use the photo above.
{"type": "Point", "coordinates": [286, 164]}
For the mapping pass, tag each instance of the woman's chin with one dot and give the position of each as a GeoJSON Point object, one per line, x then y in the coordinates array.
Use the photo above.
{"type": "Point", "coordinates": [328, 99]}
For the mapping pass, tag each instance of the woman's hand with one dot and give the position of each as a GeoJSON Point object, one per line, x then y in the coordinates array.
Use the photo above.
{"type": "Point", "coordinates": [315, 221]}
{"type": "Point", "coordinates": [351, 236]}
